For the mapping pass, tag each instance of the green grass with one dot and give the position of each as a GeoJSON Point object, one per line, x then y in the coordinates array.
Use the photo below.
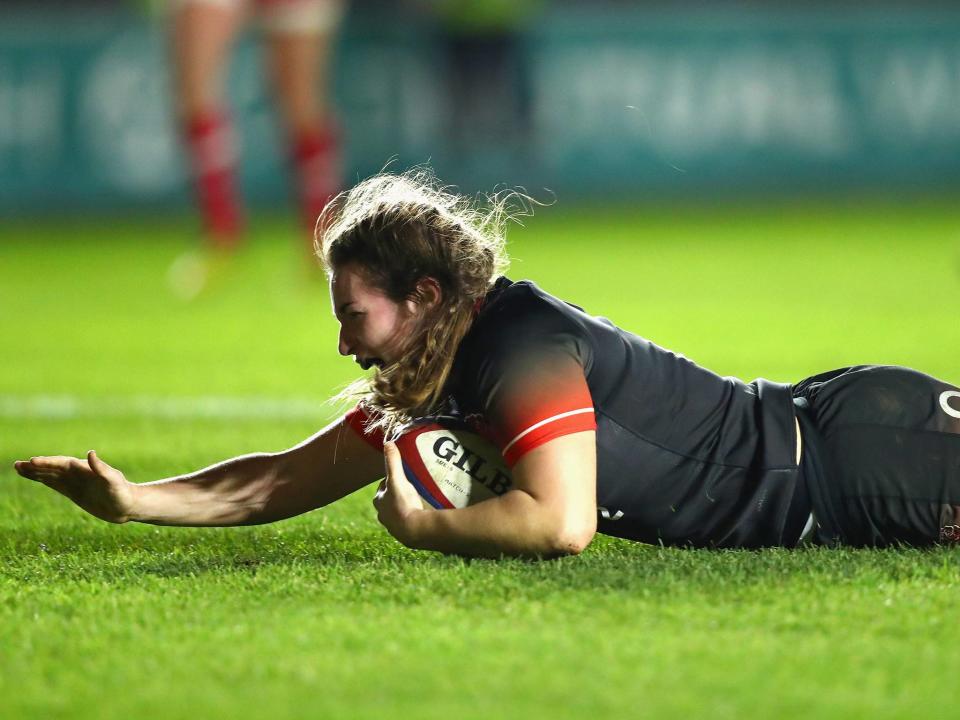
{"type": "Point", "coordinates": [325, 616]}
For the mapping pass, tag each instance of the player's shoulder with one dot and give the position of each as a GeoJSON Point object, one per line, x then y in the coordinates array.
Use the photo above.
{"type": "Point", "coordinates": [519, 318]}
{"type": "Point", "coordinates": [523, 302]}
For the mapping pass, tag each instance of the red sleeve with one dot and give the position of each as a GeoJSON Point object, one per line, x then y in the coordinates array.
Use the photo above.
{"type": "Point", "coordinates": [359, 420]}
{"type": "Point", "coordinates": [532, 386]}
{"type": "Point", "coordinates": [530, 408]}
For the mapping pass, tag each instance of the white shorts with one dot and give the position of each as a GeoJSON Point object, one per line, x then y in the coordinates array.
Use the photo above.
{"type": "Point", "coordinates": [286, 16]}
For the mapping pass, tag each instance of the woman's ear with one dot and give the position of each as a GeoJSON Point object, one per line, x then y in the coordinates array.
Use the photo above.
{"type": "Point", "coordinates": [427, 293]}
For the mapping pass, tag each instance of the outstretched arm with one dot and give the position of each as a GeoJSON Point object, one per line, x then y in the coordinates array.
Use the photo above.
{"type": "Point", "coordinates": [246, 490]}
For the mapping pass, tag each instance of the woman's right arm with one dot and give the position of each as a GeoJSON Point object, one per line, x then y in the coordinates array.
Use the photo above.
{"type": "Point", "coordinates": [246, 490]}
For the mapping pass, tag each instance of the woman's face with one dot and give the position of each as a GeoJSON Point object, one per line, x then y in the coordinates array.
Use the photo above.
{"type": "Point", "coordinates": [373, 328]}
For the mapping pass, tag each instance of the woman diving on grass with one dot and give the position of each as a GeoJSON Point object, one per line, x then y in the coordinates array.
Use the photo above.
{"type": "Point", "coordinates": [603, 430]}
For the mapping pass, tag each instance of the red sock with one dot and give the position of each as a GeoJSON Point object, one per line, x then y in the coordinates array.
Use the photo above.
{"type": "Point", "coordinates": [316, 158]}
{"type": "Point", "coordinates": [213, 158]}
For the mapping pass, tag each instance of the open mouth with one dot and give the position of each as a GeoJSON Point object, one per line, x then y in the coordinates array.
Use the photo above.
{"type": "Point", "coordinates": [367, 363]}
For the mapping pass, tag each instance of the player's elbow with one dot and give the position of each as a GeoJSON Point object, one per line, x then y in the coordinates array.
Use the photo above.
{"type": "Point", "coordinates": [572, 537]}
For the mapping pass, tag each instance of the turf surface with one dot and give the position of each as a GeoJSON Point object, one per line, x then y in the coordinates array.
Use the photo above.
{"type": "Point", "coordinates": [324, 615]}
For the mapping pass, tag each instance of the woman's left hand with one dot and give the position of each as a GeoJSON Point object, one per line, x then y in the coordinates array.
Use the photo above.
{"type": "Point", "coordinates": [397, 501]}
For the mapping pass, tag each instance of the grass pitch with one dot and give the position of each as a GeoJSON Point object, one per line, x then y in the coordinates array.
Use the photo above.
{"type": "Point", "coordinates": [325, 615]}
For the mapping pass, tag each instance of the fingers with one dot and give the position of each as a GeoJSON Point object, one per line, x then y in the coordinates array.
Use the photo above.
{"type": "Point", "coordinates": [24, 469]}
{"type": "Point", "coordinates": [56, 462]}
{"type": "Point", "coordinates": [394, 470]}
{"type": "Point", "coordinates": [98, 465]}
{"type": "Point", "coordinates": [393, 461]}
{"type": "Point", "coordinates": [53, 479]}
{"type": "Point", "coordinates": [31, 470]}
{"type": "Point", "coordinates": [62, 466]}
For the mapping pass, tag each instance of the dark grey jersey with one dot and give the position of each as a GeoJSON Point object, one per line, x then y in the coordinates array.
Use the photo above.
{"type": "Point", "coordinates": [684, 456]}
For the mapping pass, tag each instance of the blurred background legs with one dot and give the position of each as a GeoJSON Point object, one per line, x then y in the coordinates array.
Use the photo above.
{"type": "Point", "coordinates": [202, 36]}
{"type": "Point", "coordinates": [298, 42]}
{"type": "Point", "coordinates": [203, 32]}
{"type": "Point", "coordinates": [300, 39]}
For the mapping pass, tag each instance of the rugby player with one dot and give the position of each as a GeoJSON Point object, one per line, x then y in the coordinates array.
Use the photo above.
{"type": "Point", "coordinates": [298, 39]}
{"type": "Point", "coordinates": [604, 430]}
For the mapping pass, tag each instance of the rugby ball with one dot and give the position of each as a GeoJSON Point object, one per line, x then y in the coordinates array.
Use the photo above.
{"type": "Point", "coordinates": [451, 465]}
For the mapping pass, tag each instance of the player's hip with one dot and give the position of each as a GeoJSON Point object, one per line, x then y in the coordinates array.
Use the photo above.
{"type": "Point", "coordinates": [881, 455]}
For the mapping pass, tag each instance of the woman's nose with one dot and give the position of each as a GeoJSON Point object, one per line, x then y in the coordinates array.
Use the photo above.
{"type": "Point", "coordinates": [344, 346]}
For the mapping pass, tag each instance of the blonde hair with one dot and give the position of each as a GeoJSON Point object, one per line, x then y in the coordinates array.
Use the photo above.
{"type": "Point", "coordinates": [400, 229]}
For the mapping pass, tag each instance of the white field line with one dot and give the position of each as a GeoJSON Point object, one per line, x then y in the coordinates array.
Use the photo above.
{"type": "Point", "coordinates": [67, 407]}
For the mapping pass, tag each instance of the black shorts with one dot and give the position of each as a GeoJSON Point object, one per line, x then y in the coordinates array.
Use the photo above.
{"type": "Point", "coordinates": [881, 455]}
